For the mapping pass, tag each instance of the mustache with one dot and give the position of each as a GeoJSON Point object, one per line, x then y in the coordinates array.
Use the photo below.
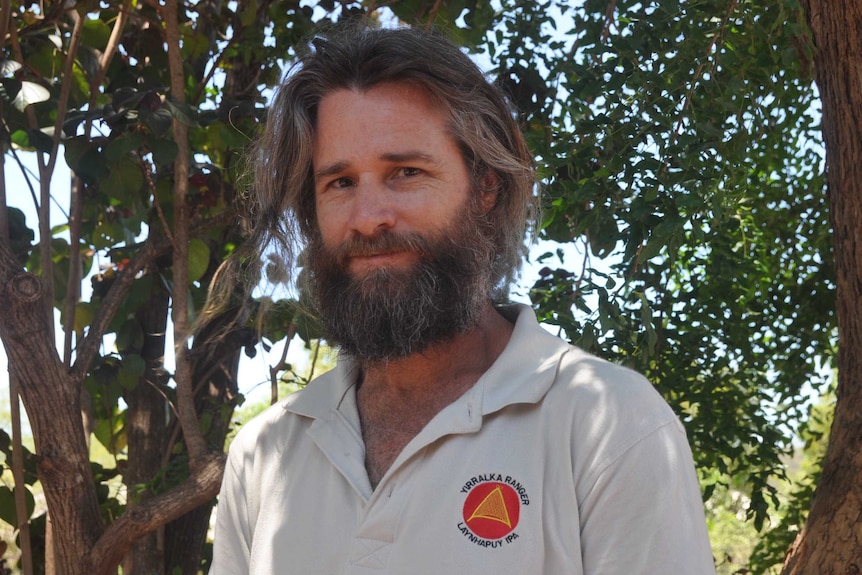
{"type": "Point", "coordinates": [386, 242]}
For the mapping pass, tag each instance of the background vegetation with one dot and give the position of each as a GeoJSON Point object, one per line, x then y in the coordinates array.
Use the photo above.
{"type": "Point", "coordinates": [680, 151]}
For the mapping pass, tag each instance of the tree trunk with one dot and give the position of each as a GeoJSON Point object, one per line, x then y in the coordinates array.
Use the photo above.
{"type": "Point", "coordinates": [215, 361]}
{"type": "Point", "coordinates": [831, 542]}
{"type": "Point", "coordinates": [54, 413]}
{"type": "Point", "coordinates": [146, 420]}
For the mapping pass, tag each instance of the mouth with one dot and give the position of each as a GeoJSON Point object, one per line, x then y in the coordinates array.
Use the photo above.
{"type": "Point", "coordinates": [376, 260]}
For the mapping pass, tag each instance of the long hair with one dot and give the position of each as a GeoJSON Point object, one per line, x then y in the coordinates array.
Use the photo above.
{"type": "Point", "coordinates": [359, 57]}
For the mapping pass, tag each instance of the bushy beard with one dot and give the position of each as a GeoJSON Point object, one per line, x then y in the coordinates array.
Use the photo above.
{"type": "Point", "coordinates": [390, 314]}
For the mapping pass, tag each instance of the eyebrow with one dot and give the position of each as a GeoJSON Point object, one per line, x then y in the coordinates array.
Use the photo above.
{"type": "Point", "coordinates": [394, 157]}
{"type": "Point", "coordinates": [408, 156]}
{"type": "Point", "coordinates": [330, 170]}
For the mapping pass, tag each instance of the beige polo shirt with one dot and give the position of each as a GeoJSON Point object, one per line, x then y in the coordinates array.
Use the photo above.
{"type": "Point", "coordinates": [553, 462]}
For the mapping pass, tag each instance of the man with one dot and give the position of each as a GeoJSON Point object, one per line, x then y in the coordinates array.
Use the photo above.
{"type": "Point", "coordinates": [454, 435]}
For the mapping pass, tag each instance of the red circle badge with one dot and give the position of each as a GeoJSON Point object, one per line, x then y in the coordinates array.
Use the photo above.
{"type": "Point", "coordinates": [492, 510]}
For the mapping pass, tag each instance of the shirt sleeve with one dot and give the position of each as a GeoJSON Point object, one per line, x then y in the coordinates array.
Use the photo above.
{"type": "Point", "coordinates": [232, 538]}
{"type": "Point", "coordinates": [644, 514]}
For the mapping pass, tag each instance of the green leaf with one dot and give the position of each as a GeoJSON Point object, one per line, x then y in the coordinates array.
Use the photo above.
{"type": "Point", "coordinates": [182, 112]}
{"type": "Point", "coordinates": [41, 141]}
{"type": "Point", "coordinates": [123, 179]}
{"type": "Point", "coordinates": [199, 259]}
{"type": "Point", "coordinates": [95, 33]}
{"type": "Point", "coordinates": [85, 159]}
{"type": "Point", "coordinates": [20, 236]}
{"type": "Point", "coordinates": [134, 364]}
{"type": "Point", "coordinates": [8, 511]}
{"type": "Point", "coordinates": [111, 433]}
{"type": "Point", "coordinates": [164, 151]}
{"type": "Point", "coordinates": [120, 147]}
{"type": "Point", "coordinates": [129, 336]}
{"type": "Point", "coordinates": [84, 314]}
{"type": "Point", "coordinates": [127, 378]}
{"type": "Point", "coordinates": [21, 138]}
{"type": "Point", "coordinates": [159, 121]}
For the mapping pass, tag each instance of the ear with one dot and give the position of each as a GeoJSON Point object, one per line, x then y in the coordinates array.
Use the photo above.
{"type": "Point", "coordinates": [489, 190]}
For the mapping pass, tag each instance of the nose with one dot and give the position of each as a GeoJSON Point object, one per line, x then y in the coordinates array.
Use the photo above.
{"type": "Point", "coordinates": [373, 210]}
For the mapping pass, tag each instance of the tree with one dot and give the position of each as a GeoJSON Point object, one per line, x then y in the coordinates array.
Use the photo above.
{"type": "Point", "coordinates": [684, 151]}
{"type": "Point", "coordinates": [679, 149]}
{"type": "Point", "coordinates": [128, 91]}
{"type": "Point", "coordinates": [828, 543]}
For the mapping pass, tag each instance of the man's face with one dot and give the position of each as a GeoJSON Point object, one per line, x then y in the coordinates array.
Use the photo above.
{"type": "Point", "coordinates": [402, 259]}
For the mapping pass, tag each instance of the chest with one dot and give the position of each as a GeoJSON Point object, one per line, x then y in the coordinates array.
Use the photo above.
{"type": "Point", "coordinates": [387, 427]}
{"type": "Point", "coordinates": [463, 503]}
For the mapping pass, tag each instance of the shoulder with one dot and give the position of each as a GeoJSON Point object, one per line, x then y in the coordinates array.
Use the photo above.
{"type": "Point", "coordinates": [602, 386]}
{"type": "Point", "coordinates": [608, 399]}
{"type": "Point", "coordinates": [613, 412]}
{"type": "Point", "coordinates": [273, 428]}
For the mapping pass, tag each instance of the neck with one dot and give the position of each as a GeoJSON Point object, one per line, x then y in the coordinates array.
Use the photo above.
{"type": "Point", "coordinates": [452, 363]}
{"type": "Point", "coordinates": [396, 399]}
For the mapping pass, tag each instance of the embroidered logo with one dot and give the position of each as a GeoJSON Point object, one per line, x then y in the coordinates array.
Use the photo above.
{"type": "Point", "coordinates": [492, 509]}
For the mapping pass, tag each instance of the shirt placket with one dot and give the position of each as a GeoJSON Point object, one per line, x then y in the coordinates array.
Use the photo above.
{"type": "Point", "coordinates": [383, 515]}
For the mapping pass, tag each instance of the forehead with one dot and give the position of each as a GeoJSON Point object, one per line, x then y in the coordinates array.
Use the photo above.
{"type": "Point", "coordinates": [391, 95]}
{"type": "Point", "coordinates": [390, 115]}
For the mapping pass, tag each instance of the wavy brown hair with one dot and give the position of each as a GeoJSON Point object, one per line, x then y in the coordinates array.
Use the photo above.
{"type": "Point", "coordinates": [358, 56]}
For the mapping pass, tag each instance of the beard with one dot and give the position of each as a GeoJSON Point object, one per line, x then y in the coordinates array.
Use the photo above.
{"type": "Point", "coordinates": [390, 314]}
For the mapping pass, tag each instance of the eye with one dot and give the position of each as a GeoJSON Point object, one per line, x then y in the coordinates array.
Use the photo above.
{"type": "Point", "coordinates": [341, 183]}
{"type": "Point", "coordinates": [407, 172]}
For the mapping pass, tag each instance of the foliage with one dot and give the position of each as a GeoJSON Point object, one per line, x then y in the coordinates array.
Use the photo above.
{"type": "Point", "coordinates": [732, 537]}
{"type": "Point", "coordinates": [677, 144]}
{"type": "Point", "coordinates": [118, 113]}
{"type": "Point", "coordinates": [805, 472]}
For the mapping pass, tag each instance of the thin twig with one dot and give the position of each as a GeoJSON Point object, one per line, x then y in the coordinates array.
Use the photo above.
{"type": "Point", "coordinates": [432, 15]}
{"type": "Point", "coordinates": [73, 285]}
{"type": "Point", "coordinates": [152, 185]}
{"type": "Point", "coordinates": [27, 173]}
{"type": "Point", "coordinates": [68, 79]}
{"type": "Point", "coordinates": [194, 439]}
{"type": "Point", "coordinates": [76, 194]}
{"type": "Point", "coordinates": [687, 101]}
{"type": "Point", "coordinates": [609, 19]}
{"type": "Point", "coordinates": [273, 370]}
{"type": "Point", "coordinates": [43, 204]}
{"type": "Point", "coordinates": [113, 43]}
{"type": "Point", "coordinates": [89, 345]}
{"type": "Point", "coordinates": [18, 477]}
{"type": "Point", "coordinates": [4, 213]}
{"type": "Point", "coordinates": [314, 359]}
{"type": "Point", "coordinates": [152, 248]}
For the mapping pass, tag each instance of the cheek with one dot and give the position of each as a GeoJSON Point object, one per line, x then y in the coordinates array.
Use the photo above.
{"type": "Point", "coordinates": [330, 222]}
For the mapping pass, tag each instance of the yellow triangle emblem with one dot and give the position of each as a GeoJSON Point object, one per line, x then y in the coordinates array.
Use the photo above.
{"type": "Point", "coordinates": [493, 507]}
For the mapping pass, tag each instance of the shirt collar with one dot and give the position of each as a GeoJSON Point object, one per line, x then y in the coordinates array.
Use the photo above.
{"type": "Point", "coordinates": [523, 373]}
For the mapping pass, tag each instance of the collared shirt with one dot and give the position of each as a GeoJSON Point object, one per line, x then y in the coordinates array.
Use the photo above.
{"type": "Point", "coordinates": [554, 462]}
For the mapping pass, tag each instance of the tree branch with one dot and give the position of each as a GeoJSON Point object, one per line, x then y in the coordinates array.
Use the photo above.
{"type": "Point", "coordinates": [145, 517]}
{"type": "Point", "coordinates": [111, 47]}
{"type": "Point", "coordinates": [18, 477]}
{"type": "Point", "coordinates": [151, 249]}
{"type": "Point", "coordinates": [5, 19]}
{"type": "Point", "coordinates": [89, 346]}
{"type": "Point", "coordinates": [194, 439]}
{"type": "Point", "coordinates": [4, 212]}
{"type": "Point", "coordinates": [76, 196]}
{"type": "Point", "coordinates": [63, 101]}
{"type": "Point", "coordinates": [73, 285]}
{"type": "Point", "coordinates": [273, 370]}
